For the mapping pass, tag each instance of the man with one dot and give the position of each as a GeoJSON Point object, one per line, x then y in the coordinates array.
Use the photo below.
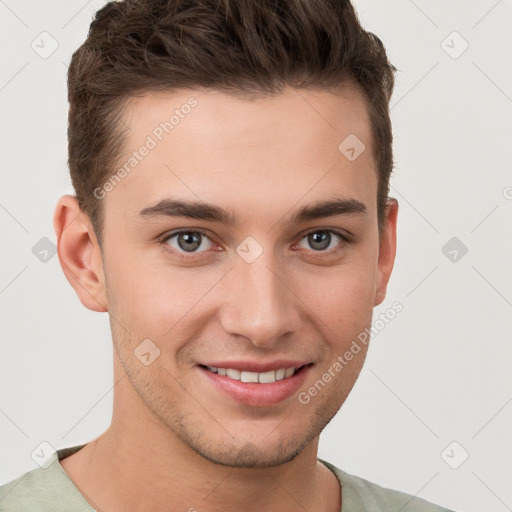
{"type": "Point", "coordinates": [231, 164]}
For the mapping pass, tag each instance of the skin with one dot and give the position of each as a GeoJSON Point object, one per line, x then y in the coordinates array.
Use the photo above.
{"type": "Point", "coordinates": [174, 437]}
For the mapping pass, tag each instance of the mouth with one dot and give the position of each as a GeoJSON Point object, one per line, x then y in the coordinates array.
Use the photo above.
{"type": "Point", "coordinates": [257, 388]}
{"type": "Point", "coordinates": [267, 377]}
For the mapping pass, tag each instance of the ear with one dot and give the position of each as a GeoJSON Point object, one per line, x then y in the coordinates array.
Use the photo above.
{"type": "Point", "coordinates": [80, 254]}
{"type": "Point", "coordinates": [387, 250]}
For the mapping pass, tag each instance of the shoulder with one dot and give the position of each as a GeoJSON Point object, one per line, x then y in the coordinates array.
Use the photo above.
{"type": "Point", "coordinates": [30, 492]}
{"type": "Point", "coordinates": [44, 489]}
{"type": "Point", "coordinates": [362, 495]}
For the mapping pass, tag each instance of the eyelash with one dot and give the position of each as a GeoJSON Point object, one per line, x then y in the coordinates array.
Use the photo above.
{"type": "Point", "coordinates": [192, 256]}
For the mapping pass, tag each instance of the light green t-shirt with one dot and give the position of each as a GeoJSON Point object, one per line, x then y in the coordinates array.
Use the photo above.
{"type": "Point", "coordinates": [51, 490]}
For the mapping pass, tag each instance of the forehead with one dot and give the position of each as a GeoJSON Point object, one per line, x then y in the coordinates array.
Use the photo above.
{"type": "Point", "coordinates": [208, 145]}
{"type": "Point", "coordinates": [206, 114]}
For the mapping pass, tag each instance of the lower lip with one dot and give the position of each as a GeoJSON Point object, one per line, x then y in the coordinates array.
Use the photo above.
{"type": "Point", "coordinates": [258, 395]}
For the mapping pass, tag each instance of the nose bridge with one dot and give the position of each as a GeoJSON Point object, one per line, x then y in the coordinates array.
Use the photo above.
{"type": "Point", "coordinates": [259, 305]}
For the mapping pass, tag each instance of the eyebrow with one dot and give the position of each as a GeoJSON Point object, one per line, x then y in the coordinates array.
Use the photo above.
{"type": "Point", "coordinates": [205, 211]}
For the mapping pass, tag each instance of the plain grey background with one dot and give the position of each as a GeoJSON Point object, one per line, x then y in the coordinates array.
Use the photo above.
{"type": "Point", "coordinates": [431, 413]}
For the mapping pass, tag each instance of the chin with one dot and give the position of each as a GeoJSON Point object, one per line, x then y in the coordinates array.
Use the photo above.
{"type": "Point", "coordinates": [282, 445]}
{"type": "Point", "coordinates": [251, 455]}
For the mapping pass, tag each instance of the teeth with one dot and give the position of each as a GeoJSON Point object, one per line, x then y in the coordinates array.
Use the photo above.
{"type": "Point", "coordinates": [289, 372]}
{"type": "Point", "coordinates": [233, 374]}
{"type": "Point", "coordinates": [267, 377]}
{"type": "Point", "coordinates": [263, 378]}
{"type": "Point", "coordinates": [249, 377]}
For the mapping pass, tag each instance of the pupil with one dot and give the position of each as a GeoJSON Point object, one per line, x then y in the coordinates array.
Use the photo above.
{"type": "Point", "coordinates": [192, 241]}
{"type": "Point", "coordinates": [319, 238]}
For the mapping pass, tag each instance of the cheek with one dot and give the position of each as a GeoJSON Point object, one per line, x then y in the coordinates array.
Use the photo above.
{"type": "Point", "coordinates": [343, 298]}
{"type": "Point", "coordinates": [154, 300]}
{"type": "Point", "coordinates": [135, 292]}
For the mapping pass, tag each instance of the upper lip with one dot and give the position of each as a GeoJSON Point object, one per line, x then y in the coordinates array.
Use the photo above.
{"type": "Point", "coordinates": [257, 366]}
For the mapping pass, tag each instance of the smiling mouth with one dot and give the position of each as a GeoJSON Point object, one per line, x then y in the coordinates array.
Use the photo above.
{"type": "Point", "coordinates": [255, 377]}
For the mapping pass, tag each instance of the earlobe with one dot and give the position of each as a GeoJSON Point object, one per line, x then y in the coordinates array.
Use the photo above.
{"type": "Point", "coordinates": [387, 250]}
{"type": "Point", "coordinates": [79, 253]}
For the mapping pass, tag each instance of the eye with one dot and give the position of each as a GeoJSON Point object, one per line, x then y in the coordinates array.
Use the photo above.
{"type": "Point", "coordinates": [194, 242]}
{"type": "Point", "coordinates": [324, 240]}
{"type": "Point", "coordinates": [188, 241]}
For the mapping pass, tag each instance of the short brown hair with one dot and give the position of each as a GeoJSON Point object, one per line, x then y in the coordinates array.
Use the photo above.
{"type": "Point", "coordinates": [240, 47]}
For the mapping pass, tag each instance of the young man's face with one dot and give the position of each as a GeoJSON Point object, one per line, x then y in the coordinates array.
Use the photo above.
{"type": "Point", "coordinates": [257, 294]}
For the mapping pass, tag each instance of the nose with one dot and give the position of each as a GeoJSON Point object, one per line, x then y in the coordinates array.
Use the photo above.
{"type": "Point", "coordinates": [259, 303]}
